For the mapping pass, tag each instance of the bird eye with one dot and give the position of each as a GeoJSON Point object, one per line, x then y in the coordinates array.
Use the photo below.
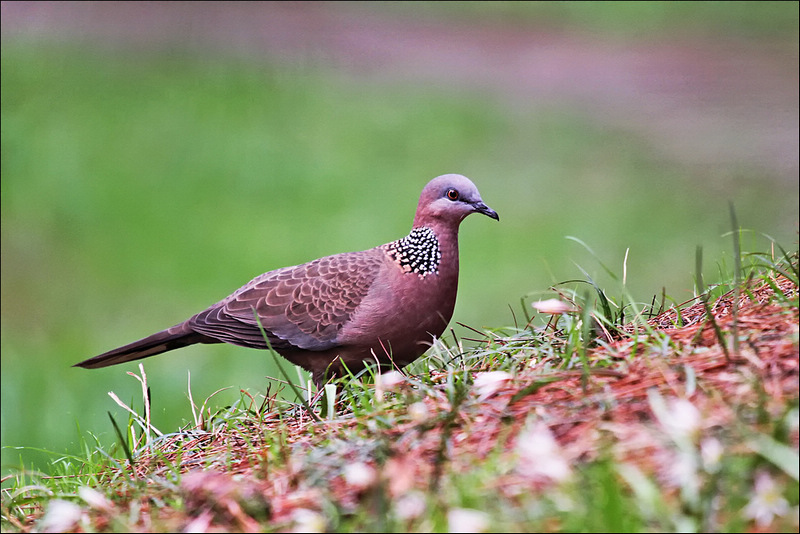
{"type": "Point", "coordinates": [452, 194]}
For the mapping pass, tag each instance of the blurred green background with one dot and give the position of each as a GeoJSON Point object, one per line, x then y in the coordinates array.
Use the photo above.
{"type": "Point", "coordinates": [156, 156]}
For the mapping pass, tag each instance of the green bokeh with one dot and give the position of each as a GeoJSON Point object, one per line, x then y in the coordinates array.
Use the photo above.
{"type": "Point", "coordinates": [138, 188]}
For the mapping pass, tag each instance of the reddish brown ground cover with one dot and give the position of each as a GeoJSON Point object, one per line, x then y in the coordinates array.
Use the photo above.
{"type": "Point", "coordinates": [234, 477]}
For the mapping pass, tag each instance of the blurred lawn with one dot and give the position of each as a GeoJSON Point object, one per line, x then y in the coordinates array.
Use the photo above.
{"type": "Point", "coordinates": [138, 189]}
{"type": "Point", "coordinates": [625, 19]}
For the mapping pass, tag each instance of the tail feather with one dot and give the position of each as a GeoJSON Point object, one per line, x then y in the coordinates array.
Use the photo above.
{"type": "Point", "coordinates": [166, 340]}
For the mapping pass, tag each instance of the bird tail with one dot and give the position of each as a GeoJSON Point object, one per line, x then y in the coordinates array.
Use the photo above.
{"type": "Point", "coordinates": [170, 339]}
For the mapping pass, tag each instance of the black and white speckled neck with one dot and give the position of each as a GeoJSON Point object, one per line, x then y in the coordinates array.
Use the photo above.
{"type": "Point", "coordinates": [417, 253]}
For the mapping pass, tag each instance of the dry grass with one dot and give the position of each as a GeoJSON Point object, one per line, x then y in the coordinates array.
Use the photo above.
{"type": "Point", "coordinates": [667, 391]}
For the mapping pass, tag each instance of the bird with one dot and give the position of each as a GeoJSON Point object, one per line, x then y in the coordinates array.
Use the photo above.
{"type": "Point", "coordinates": [384, 305]}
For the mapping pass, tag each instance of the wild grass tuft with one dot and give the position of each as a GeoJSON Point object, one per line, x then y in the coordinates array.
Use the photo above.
{"type": "Point", "coordinates": [598, 413]}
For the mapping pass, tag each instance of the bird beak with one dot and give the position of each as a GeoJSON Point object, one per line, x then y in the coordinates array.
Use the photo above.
{"type": "Point", "coordinates": [480, 207]}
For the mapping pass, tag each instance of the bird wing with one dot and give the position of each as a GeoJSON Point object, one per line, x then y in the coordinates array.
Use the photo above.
{"type": "Point", "coordinates": [304, 306]}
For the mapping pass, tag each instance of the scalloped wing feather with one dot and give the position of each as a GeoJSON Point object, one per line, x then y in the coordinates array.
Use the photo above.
{"type": "Point", "coordinates": [304, 306]}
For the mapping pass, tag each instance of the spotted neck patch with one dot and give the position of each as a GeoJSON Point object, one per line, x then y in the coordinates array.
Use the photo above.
{"type": "Point", "coordinates": [417, 253]}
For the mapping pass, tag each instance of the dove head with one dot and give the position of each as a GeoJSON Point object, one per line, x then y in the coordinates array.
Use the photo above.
{"type": "Point", "coordinates": [448, 199]}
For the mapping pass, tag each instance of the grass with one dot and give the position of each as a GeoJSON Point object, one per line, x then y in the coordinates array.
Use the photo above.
{"type": "Point", "coordinates": [140, 186]}
{"type": "Point", "coordinates": [574, 421]}
{"type": "Point", "coordinates": [643, 20]}
{"type": "Point", "coordinates": [139, 189]}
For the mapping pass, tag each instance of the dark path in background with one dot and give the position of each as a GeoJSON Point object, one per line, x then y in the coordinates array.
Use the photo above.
{"type": "Point", "coordinates": [704, 103]}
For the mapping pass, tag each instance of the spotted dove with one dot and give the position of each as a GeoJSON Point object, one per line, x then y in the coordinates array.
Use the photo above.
{"type": "Point", "coordinates": [382, 305]}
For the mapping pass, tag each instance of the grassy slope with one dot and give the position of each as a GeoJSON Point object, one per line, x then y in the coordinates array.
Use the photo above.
{"type": "Point", "coordinates": [666, 425]}
{"type": "Point", "coordinates": [139, 189]}
{"type": "Point", "coordinates": [123, 174]}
